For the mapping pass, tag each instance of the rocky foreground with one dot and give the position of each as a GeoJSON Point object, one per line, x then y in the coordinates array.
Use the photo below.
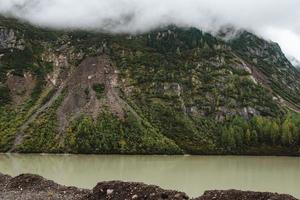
{"type": "Point", "coordinates": [33, 187]}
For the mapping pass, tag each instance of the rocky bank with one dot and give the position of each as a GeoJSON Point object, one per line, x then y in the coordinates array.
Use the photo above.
{"type": "Point", "coordinates": [34, 187]}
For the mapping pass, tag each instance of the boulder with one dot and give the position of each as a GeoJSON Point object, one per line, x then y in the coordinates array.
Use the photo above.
{"type": "Point", "coordinates": [240, 195]}
{"type": "Point", "coordinates": [138, 191]}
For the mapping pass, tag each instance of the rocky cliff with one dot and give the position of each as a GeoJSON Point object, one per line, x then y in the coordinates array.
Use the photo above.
{"type": "Point", "coordinates": [169, 91]}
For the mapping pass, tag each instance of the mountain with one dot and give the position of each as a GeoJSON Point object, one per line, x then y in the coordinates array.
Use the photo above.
{"type": "Point", "coordinates": [170, 91]}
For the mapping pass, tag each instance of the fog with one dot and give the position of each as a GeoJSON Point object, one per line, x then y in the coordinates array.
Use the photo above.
{"type": "Point", "coordinates": [278, 20]}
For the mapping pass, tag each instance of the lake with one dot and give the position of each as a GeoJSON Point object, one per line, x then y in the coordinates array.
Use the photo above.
{"type": "Point", "coordinates": [191, 174]}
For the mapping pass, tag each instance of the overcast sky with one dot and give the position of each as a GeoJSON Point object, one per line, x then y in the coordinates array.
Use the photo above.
{"type": "Point", "coordinates": [278, 20]}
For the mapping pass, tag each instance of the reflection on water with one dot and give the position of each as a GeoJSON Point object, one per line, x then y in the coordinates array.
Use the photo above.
{"type": "Point", "coordinates": [191, 174]}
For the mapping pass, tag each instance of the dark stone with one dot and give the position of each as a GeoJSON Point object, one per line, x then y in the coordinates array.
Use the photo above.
{"type": "Point", "coordinates": [138, 191]}
{"type": "Point", "coordinates": [33, 187]}
{"type": "Point", "coordinates": [240, 195]}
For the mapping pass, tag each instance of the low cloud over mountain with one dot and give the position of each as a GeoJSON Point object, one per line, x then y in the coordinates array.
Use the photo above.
{"type": "Point", "coordinates": [272, 19]}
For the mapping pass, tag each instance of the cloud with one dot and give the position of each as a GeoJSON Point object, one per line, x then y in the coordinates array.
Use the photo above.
{"type": "Point", "coordinates": [288, 40]}
{"type": "Point", "coordinates": [272, 19]}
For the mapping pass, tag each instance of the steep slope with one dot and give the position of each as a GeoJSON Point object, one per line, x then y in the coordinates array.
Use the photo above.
{"type": "Point", "coordinates": [281, 75]}
{"type": "Point", "coordinates": [168, 91]}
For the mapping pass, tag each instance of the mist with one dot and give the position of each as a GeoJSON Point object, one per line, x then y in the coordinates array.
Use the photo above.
{"type": "Point", "coordinates": [277, 20]}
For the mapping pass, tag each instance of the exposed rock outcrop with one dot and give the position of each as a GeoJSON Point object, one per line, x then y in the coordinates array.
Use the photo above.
{"type": "Point", "coordinates": [33, 187]}
{"type": "Point", "coordinates": [82, 97]}
{"type": "Point", "coordinates": [8, 39]}
{"type": "Point", "coordinates": [20, 87]}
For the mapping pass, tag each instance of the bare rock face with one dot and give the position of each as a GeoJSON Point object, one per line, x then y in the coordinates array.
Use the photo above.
{"type": "Point", "coordinates": [20, 87]}
{"type": "Point", "coordinates": [138, 191]}
{"type": "Point", "coordinates": [8, 40]}
{"type": "Point", "coordinates": [82, 98]}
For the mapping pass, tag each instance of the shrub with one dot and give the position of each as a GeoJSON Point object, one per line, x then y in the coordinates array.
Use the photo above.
{"type": "Point", "coordinates": [99, 89]}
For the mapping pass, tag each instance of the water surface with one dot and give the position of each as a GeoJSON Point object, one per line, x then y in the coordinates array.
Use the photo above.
{"type": "Point", "coordinates": [191, 174]}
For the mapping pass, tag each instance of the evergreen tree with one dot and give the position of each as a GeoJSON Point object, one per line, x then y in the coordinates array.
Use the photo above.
{"type": "Point", "coordinates": [247, 137]}
{"type": "Point", "coordinates": [275, 133]}
{"type": "Point", "coordinates": [287, 136]}
{"type": "Point", "coordinates": [254, 138]}
{"type": "Point", "coordinates": [228, 139]}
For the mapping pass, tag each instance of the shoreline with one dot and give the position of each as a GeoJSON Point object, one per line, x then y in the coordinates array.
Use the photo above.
{"type": "Point", "coordinates": [115, 154]}
{"type": "Point", "coordinates": [34, 187]}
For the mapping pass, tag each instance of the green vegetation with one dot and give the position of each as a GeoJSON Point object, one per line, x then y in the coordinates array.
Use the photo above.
{"type": "Point", "coordinates": [109, 135]}
{"type": "Point", "coordinates": [99, 89]}
{"type": "Point", "coordinates": [240, 135]}
{"type": "Point", "coordinates": [4, 95]}
{"type": "Point", "coordinates": [269, 59]}
{"type": "Point", "coordinates": [43, 134]}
